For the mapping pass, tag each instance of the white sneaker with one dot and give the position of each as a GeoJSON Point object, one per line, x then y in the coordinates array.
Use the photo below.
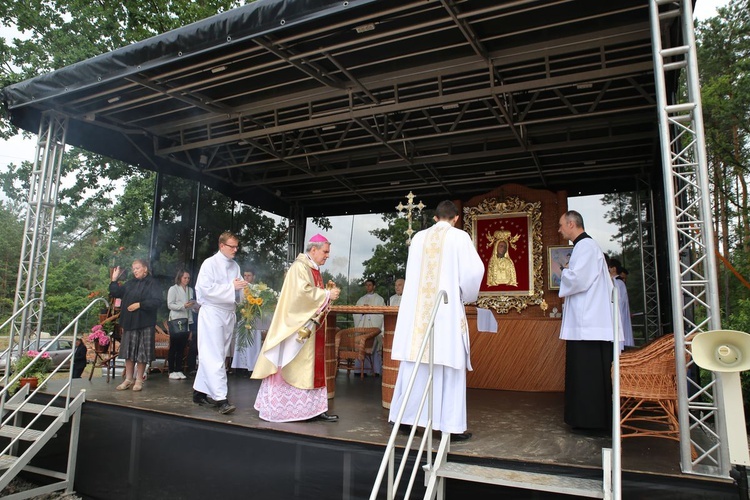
{"type": "Point", "coordinates": [181, 375]}
{"type": "Point", "coordinates": [174, 376]}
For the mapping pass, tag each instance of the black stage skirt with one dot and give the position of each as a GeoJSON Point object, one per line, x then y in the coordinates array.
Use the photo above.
{"type": "Point", "coordinates": [588, 384]}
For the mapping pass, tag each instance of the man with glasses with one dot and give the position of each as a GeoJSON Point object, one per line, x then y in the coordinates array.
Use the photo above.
{"type": "Point", "coordinates": [218, 290]}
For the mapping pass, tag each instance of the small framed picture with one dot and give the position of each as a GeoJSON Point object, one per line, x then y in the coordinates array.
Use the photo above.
{"type": "Point", "coordinates": [558, 257]}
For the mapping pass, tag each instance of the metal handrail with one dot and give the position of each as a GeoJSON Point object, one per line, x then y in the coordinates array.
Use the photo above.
{"type": "Point", "coordinates": [7, 352]}
{"type": "Point", "coordinates": [66, 387]}
{"type": "Point", "coordinates": [388, 460]}
{"type": "Point", "coordinates": [616, 411]}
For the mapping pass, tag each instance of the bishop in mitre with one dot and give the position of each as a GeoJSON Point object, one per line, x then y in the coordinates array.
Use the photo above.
{"type": "Point", "coordinates": [292, 359]}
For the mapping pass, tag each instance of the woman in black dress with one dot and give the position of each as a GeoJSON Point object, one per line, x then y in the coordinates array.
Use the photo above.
{"type": "Point", "coordinates": [141, 298]}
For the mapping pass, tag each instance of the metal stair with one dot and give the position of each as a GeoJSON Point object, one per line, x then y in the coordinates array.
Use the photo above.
{"type": "Point", "coordinates": [45, 429]}
{"type": "Point", "coordinates": [581, 487]}
{"type": "Point", "coordinates": [499, 476]}
{"type": "Point", "coordinates": [437, 469]}
{"type": "Point", "coordinates": [26, 426]}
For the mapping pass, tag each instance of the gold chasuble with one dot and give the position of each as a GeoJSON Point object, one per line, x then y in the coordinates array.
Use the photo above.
{"type": "Point", "coordinates": [302, 363]}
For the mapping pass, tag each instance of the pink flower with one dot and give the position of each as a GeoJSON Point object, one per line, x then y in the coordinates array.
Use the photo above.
{"type": "Point", "coordinates": [45, 355]}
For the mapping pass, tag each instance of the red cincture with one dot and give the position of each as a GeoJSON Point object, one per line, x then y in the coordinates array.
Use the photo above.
{"type": "Point", "coordinates": [319, 379]}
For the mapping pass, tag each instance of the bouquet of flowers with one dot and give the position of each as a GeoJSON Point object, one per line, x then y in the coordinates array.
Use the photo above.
{"type": "Point", "coordinates": [99, 336]}
{"type": "Point", "coordinates": [260, 302]}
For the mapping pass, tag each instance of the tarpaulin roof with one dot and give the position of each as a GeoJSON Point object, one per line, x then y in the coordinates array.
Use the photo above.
{"type": "Point", "coordinates": [343, 107]}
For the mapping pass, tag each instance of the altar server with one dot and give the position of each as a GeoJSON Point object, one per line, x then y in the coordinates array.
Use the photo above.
{"type": "Point", "coordinates": [217, 290]}
{"type": "Point", "coordinates": [292, 360]}
{"type": "Point", "coordinates": [441, 257]}
{"type": "Point", "coordinates": [586, 287]}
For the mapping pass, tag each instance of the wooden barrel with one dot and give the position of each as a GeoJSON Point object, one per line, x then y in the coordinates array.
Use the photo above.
{"type": "Point", "coordinates": [390, 367]}
{"type": "Point", "coordinates": [330, 354]}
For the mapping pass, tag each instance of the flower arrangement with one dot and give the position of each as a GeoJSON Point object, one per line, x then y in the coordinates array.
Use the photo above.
{"type": "Point", "coordinates": [98, 335]}
{"type": "Point", "coordinates": [260, 301]}
{"type": "Point", "coordinates": [38, 369]}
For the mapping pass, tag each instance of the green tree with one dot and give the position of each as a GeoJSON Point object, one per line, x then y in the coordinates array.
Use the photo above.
{"type": "Point", "coordinates": [724, 62]}
{"type": "Point", "coordinates": [388, 261]}
{"type": "Point", "coordinates": [11, 228]}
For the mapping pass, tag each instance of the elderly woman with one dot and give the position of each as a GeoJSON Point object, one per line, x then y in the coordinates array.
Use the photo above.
{"type": "Point", "coordinates": [140, 300]}
{"type": "Point", "coordinates": [181, 304]}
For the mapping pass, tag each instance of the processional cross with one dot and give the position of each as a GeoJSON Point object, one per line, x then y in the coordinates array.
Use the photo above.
{"type": "Point", "coordinates": [409, 207]}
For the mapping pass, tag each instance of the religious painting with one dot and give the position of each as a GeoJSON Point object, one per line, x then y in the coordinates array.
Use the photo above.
{"type": "Point", "coordinates": [558, 257]}
{"type": "Point", "coordinates": [507, 236]}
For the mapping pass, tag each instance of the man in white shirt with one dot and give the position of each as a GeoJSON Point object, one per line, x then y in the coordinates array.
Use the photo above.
{"type": "Point", "coordinates": [441, 257]}
{"type": "Point", "coordinates": [586, 287]}
{"type": "Point", "coordinates": [218, 292]}
{"type": "Point", "coordinates": [395, 299]}
{"type": "Point", "coordinates": [372, 298]}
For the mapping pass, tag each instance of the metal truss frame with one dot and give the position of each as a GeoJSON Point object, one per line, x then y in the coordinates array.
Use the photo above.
{"type": "Point", "coordinates": [692, 263]}
{"type": "Point", "coordinates": [647, 244]}
{"type": "Point", "coordinates": [40, 220]}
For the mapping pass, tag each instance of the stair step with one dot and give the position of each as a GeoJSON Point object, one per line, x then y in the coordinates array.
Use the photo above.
{"type": "Point", "coordinates": [36, 409]}
{"type": "Point", "coordinates": [6, 461]}
{"type": "Point", "coordinates": [520, 479]}
{"type": "Point", "coordinates": [12, 431]}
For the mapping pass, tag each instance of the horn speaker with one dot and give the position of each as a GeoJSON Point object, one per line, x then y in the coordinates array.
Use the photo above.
{"type": "Point", "coordinates": [727, 353]}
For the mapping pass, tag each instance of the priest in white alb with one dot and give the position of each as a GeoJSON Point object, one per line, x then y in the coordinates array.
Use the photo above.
{"type": "Point", "coordinates": [292, 360]}
{"type": "Point", "coordinates": [441, 257]}
{"type": "Point", "coordinates": [586, 287]}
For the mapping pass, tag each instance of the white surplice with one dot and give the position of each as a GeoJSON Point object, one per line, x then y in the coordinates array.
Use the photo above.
{"type": "Point", "coordinates": [627, 325]}
{"type": "Point", "coordinates": [587, 289]}
{"type": "Point", "coordinates": [440, 258]}
{"type": "Point", "coordinates": [214, 290]}
{"type": "Point", "coordinates": [587, 329]}
{"type": "Point", "coordinates": [395, 300]}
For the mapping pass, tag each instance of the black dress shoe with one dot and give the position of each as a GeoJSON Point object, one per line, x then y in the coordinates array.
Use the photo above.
{"type": "Point", "coordinates": [461, 437]}
{"type": "Point", "coordinates": [327, 418]}
{"type": "Point", "coordinates": [225, 407]}
{"type": "Point", "coordinates": [201, 398]}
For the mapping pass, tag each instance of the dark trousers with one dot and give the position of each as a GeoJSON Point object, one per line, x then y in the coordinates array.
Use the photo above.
{"type": "Point", "coordinates": [588, 384]}
{"type": "Point", "coordinates": [192, 357]}
{"type": "Point", "coordinates": [177, 343]}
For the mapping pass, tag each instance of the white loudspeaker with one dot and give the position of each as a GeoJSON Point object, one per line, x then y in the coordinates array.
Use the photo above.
{"type": "Point", "coordinates": [727, 353]}
{"type": "Point", "coordinates": [722, 351]}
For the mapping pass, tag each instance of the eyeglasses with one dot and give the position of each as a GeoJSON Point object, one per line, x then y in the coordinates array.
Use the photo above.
{"type": "Point", "coordinates": [234, 247]}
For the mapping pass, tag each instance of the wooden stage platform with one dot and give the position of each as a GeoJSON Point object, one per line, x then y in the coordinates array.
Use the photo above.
{"type": "Point", "coordinates": [158, 444]}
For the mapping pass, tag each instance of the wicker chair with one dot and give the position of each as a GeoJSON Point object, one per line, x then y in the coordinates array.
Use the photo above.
{"type": "Point", "coordinates": [161, 347]}
{"type": "Point", "coordinates": [355, 344]}
{"type": "Point", "coordinates": [648, 391]}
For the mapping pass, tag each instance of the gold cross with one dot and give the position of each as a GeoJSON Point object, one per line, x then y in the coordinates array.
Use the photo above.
{"type": "Point", "coordinates": [409, 207]}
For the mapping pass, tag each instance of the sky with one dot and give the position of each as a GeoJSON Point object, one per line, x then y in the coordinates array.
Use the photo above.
{"type": "Point", "coordinates": [346, 259]}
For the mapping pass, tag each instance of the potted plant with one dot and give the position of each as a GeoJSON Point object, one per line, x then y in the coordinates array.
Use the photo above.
{"type": "Point", "coordinates": [36, 375]}
{"type": "Point", "coordinates": [100, 338]}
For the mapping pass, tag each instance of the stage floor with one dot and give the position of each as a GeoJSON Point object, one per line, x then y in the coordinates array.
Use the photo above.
{"type": "Point", "coordinates": [508, 426]}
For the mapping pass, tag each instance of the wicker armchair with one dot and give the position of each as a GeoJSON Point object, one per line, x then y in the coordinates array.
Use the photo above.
{"type": "Point", "coordinates": [161, 347]}
{"type": "Point", "coordinates": [648, 391]}
{"type": "Point", "coordinates": [355, 344]}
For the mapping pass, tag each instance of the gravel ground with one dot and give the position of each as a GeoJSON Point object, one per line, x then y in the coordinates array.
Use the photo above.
{"type": "Point", "coordinates": [18, 485]}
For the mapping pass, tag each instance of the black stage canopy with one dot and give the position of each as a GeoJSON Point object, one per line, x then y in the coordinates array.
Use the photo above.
{"type": "Point", "coordinates": [343, 107]}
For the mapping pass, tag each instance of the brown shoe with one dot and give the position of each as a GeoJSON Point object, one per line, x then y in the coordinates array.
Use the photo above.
{"type": "Point", "coordinates": [125, 385]}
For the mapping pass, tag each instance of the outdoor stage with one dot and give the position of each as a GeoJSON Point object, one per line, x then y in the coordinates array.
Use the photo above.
{"type": "Point", "coordinates": [158, 444]}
